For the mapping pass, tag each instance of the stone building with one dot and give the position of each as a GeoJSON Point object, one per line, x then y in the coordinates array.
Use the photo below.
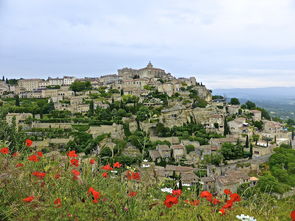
{"type": "Point", "coordinates": [29, 84]}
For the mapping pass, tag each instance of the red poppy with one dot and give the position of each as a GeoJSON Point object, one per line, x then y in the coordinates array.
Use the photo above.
{"type": "Point", "coordinates": [222, 211]}
{"type": "Point", "coordinates": [29, 199]}
{"type": "Point", "coordinates": [176, 193]}
{"type": "Point", "coordinates": [105, 174]}
{"type": "Point", "coordinates": [57, 202]}
{"type": "Point", "coordinates": [128, 174]}
{"type": "Point", "coordinates": [107, 167]}
{"type": "Point", "coordinates": [135, 176]}
{"type": "Point", "coordinates": [39, 153]}
{"type": "Point", "coordinates": [72, 153]}
{"type": "Point", "coordinates": [193, 202]}
{"type": "Point", "coordinates": [170, 201]}
{"type": "Point", "coordinates": [227, 192]}
{"type": "Point", "coordinates": [90, 190]}
{"type": "Point", "coordinates": [75, 172]}
{"type": "Point", "coordinates": [228, 204]}
{"type": "Point", "coordinates": [92, 161]}
{"type": "Point", "coordinates": [205, 194]}
{"type": "Point", "coordinates": [19, 165]}
{"type": "Point", "coordinates": [4, 150]}
{"type": "Point", "coordinates": [74, 162]}
{"type": "Point", "coordinates": [39, 174]}
{"type": "Point", "coordinates": [292, 215]}
{"type": "Point", "coordinates": [117, 165]}
{"type": "Point", "coordinates": [215, 201]}
{"type": "Point", "coordinates": [28, 142]}
{"type": "Point", "coordinates": [16, 154]}
{"type": "Point", "coordinates": [235, 197]}
{"type": "Point", "coordinates": [95, 194]}
{"type": "Point", "coordinates": [132, 194]}
{"type": "Point", "coordinates": [57, 176]}
{"type": "Point", "coordinates": [33, 158]}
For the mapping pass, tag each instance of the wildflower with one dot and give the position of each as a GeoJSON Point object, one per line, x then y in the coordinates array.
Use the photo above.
{"type": "Point", "coordinates": [227, 192]}
{"type": "Point", "coordinates": [19, 165]}
{"type": "Point", "coordinates": [28, 142]}
{"type": "Point", "coordinates": [107, 167]}
{"type": "Point", "coordinates": [167, 190]}
{"type": "Point", "coordinates": [245, 217]}
{"type": "Point", "coordinates": [39, 174]}
{"type": "Point", "coordinates": [39, 153]}
{"type": "Point", "coordinates": [16, 154]}
{"type": "Point", "coordinates": [292, 215]}
{"type": "Point", "coordinates": [95, 194]}
{"type": "Point", "coordinates": [57, 176]}
{"type": "Point", "coordinates": [57, 202]}
{"type": "Point", "coordinates": [4, 150]}
{"type": "Point", "coordinates": [74, 162]}
{"type": "Point", "coordinates": [117, 165]}
{"type": "Point", "coordinates": [176, 193]}
{"type": "Point", "coordinates": [33, 158]}
{"type": "Point", "coordinates": [75, 173]}
{"type": "Point", "coordinates": [235, 197]}
{"type": "Point", "coordinates": [228, 204]}
{"type": "Point", "coordinates": [170, 201]}
{"type": "Point", "coordinates": [29, 199]}
{"type": "Point", "coordinates": [207, 195]}
{"type": "Point", "coordinates": [105, 175]}
{"type": "Point", "coordinates": [92, 161]}
{"type": "Point", "coordinates": [193, 202]}
{"type": "Point", "coordinates": [132, 194]}
{"type": "Point", "coordinates": [215, 201]}
{"type": "Point", "coordinates": [135, 176]}
{"type": "Point", "coordinates": [72, 154]}
{"type": "Point", "coordinates": [221, 211]}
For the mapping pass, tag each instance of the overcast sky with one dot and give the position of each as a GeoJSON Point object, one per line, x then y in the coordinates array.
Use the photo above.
{"type": "Point", "coordinates": [223, 43]}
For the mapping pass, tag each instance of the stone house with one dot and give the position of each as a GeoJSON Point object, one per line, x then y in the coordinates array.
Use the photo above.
{"type": "Point", "coordinates": [20, 118]}
{"type": "Point", "coordinates": [189, 179]}
{"type": "Point", "coordinates": [178, 151]}
{"type": "Point", "coordinates": [164, 151]}
{"type": "Point", "coordinates": [215, 123]}
{"type": "Point", "coordinates": [231, 180]}
{"type": "Point", "coordinates": [208, 183]}
{"type": "Point", "coordinates": [261, 151]}
{"type": "Point", "coordinates": [256, 115]}
{"type": "Point", "coordinates": [238, 126]}
{"type": "Point", "coordinates": [272, 127]}
{"type": "Point", "coordinates": [217, 142]}
{"type": "Point", "coordinates": [233, 109]}
{"type": "Point", "coordinates": [155, 155]}
{"type": "Point", "coordinates": [3, 87]}
{"type": "Point", "coordinates": [29, 84]}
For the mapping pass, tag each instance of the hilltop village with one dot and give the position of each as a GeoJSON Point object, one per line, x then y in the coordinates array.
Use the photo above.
{"type": "Point", "coordinates": [171, 129]}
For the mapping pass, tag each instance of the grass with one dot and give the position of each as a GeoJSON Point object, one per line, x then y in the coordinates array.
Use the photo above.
{"type": "Point", "coordinates": [114, 203]}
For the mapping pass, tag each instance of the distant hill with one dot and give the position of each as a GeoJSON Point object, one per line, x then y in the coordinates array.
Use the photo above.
{"type": "Point", "coordinates": [280, 101]}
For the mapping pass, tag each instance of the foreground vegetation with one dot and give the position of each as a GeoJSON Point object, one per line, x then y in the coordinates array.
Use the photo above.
{"type": "Point", "coordinates": [65, 187]}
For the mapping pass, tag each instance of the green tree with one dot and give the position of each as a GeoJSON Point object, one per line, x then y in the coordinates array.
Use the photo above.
{"type": "Point", "coordinates": [17, 103]}
{"type": "Point", "coordinates": [258, 125]}
{"type": "Point", "coordinates": [250, 105]}
{"type": "Point", "coordinates": [78, 86]}
{"type": "Point", "coordinates": [234, 101]}
{"type": "Point", "coordinates": [232, 151]}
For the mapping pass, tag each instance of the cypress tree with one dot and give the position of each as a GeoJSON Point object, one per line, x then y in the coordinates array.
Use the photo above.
{"type": "Point", "coordinates": [17, 103]}
{"type": "Point", "coordinates": [226, 129]}
{"type": "Point", "coordinates": [180, 182]}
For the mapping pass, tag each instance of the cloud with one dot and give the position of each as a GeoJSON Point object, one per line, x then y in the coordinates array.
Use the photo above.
{"type": "Point", "coordinates": [215, 38]}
